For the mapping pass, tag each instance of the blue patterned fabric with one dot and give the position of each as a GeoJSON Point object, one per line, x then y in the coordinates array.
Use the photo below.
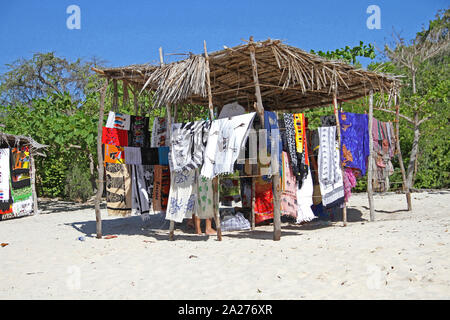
{"type": "Point", "coordinates": [271, 123]}
{"type": "Point", "coordinates": [355, 140]}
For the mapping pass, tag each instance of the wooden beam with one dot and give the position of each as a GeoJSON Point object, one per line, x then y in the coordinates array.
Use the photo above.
{"type": "Point", "coordinates": [338, 129]}
{"type": "Point", "coordinates": [275, 177]}
{"type": "Point", "coordinates": [100, 181]}
{"type": "Point", "coordinates": [33, 183]}
{"type": "Point", "coordinates": [370, 164]}
{"type": "Point", "coordinates": [215, 181]}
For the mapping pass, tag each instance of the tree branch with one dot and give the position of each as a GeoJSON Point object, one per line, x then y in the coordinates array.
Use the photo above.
{"type": "Point", "coordinates": [400, 115]}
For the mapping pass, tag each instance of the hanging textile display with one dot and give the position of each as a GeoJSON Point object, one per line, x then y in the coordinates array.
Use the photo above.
{"type": "Point", "coordinates": [384, 149]}
{"type": "Point", "coordinates": [304, 200]}
{"type": "Point", "coordinates": [288, 197]}
{"type": "Point", "coordinates": [149, 156]}
{"type": "Point", "coordinates": [263, 200]}
{"type": "Point", "coordinates": [274, 143]}
{"type": "Point", "coordinates": [118, 120]}
{"type": "Point", "coordinates": [330, 174]}
{"type": "Point", "coordinates": [114, 154]}
{"type": "Point", "coordinates": [20, 167]}
{"type": "Point", "coordinates": [183, 195]}
{"type": "Point", "coordinates": [138, 133]}
{"type": "Point", "coordinates": [115, 137]}
{"type": "Point", "coordinates": [142, 188]}
{"type": "Point", "coordinates": [188, 144]}
{"type": "Point", "coordinates": [159, 132]}
{"type": "Point", "coordinates": [118, 189]}
{"type": "Point", "coordinates": [161, 187]}
{"type": "Point", "coordinates": [5, 185]}
{"type": "Point", "coordinates": [354, 140]}
{"type": "Point", "coordinates": [301, 146]}
{"type": "Point", "coordinates": [230, 190]}
{"type": "Point", "coordinates": [225, 139]}
{"type": "Point", "coordinates": [132, 155]}
{"type": "Point", "coordinates": [205, 206]}
{"type": "Point", "coordinates": [291, 142]}
{"type": "Point", "coordinates": [349, 183]}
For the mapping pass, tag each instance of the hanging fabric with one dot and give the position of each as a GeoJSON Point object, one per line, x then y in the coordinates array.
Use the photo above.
{"type": "Point", "coordinates": [183, 195]}
{"type": "Point", "coordinates": [304, 200]}
{"type": "Point", "coordinates": [114, 154]}
{"type": "Point", "coordinates": [225, 139]}
{"type": "Point", "coordinates": [330, 174]}
{"type": "Point", "coordinates": [142, 189]}
{"type": "Point", "coordinates": [138, 133]}
{"type": "Point", "coordinates": [115, 137]}
{"type": "Point", "coordinates": [263, 207]}
{"type": "Point", "coordinates": [288, 197]}
{"type": "Point", "coordinates": [118, 189]}
{"type": "Point", "coordinates": [354, 140]}
{"type": "Point", "coordinates": [205, 206]}
{"type": "Point", "coordinates": [118, 120]}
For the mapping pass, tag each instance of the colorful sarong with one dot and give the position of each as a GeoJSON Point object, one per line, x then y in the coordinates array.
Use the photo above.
{"type": "Point", "coordinates": [118, 189]}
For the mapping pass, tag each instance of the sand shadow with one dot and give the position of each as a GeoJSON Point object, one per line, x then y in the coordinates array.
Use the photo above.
{"type": "Point", "coordinates": [155, 227]}
{"type": "Point", "coordinates": [353, 215]}
{"type": "Point", "coordinates": [50, 206]}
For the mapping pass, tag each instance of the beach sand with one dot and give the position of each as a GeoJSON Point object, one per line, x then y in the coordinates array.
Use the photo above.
{"type": "Point", "coordinates": [402, 255]}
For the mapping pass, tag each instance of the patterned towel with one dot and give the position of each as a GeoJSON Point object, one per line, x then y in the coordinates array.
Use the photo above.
{"type": "Point", "coordinates": [183, 195]}
{"type": "Point", "coordinates": [188, 144]}
{"type": "Point", "coordinates": [304, 200]}
{"type": "Point", "coordinates": [330, 174]}
{"type": "Point", "coordinates": [118, 189]}
{"type": "Point", "coordinates": [132, 155]}
{"type": "Point", "coordinates": [118, 120]}
{"type": "Point", "coordinates": [115, 137]}
{"type": "Point", "coordinates": [205, 207]}
{"type": "Point", "coordinates": [161, 188]}
{"type": "Point", "coordinates": [142, 189]}
{"type": "Point", "coordinates": [20, 167]}
{"type": "Point", "coordinates": [114, 154]}
{"type": "Point", "coordinates": [138, 133]}
{"type": "Point", "coordinates": [225, 139]}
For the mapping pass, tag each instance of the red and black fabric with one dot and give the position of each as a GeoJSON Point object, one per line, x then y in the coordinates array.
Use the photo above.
{"type": "Point", "coordinates": [115, 137]}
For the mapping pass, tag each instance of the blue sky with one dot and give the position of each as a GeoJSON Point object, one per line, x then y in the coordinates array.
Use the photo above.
{"type": "Point", "coordinates": [130, 32]}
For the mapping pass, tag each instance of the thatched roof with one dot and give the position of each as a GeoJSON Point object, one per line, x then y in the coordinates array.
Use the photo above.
{"type": "Point", "coordinates": [15, 140]}
{"type": "Point", "coordinates": [289, 78]}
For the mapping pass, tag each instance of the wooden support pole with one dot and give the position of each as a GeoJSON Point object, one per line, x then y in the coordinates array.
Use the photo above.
{"type": "Point", "coordinates": [370, 164]}
{"type": "Point", "coordinates": [276, 176]}
{"type": "Point", "coordinates": [215, 182]}
{"type": "Point", "coordinates": [338, 130]}
{"type": "Point", "coordinates": [115, 104]}
{"type": "Point", "coordinates": [169, 138]}
{"type": "Point", "coordinates": [100, 181]}
{"type": "Point", "coordinates": [33, 184]}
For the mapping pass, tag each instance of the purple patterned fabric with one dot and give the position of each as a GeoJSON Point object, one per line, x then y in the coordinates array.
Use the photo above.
{"type": "Point", "coordinates": [354, 140]}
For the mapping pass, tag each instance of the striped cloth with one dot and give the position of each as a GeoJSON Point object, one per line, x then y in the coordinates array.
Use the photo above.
{"type": "Point", "coordinates": [188, 144]}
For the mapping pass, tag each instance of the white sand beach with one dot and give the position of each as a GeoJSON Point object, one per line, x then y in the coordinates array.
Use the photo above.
{"type": "Point", "coordinates": [402, 255]}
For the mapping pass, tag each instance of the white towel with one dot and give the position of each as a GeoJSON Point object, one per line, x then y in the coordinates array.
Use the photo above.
{"type": "Point", "coordinates": [304, 200]}
{"type": "Point", "coordinates": [225, 139]}
{"type": "Point", "coordinates": [182, 201]}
